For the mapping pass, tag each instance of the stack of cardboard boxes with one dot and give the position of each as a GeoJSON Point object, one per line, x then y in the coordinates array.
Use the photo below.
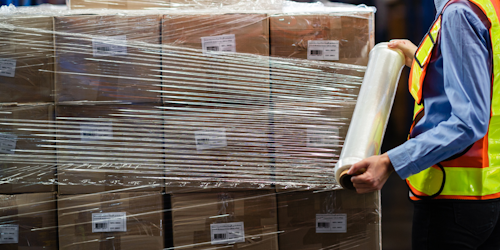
{"type": "Point", "coordinates": [28, 217]}
{"type": "Point", "coordinates": [315, 108]}
{"type": "Point", "coordinates": [217, 133]}
{"type": "Point", "coordinates": [110, 132]}
{"type": "Point", "coordinates": [219, 111]}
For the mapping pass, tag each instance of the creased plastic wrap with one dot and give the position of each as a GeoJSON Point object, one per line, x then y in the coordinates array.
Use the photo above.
{"type": "Point", "coordinates": [195, 127]}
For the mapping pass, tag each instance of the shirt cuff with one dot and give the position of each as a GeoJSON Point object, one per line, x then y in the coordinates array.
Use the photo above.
{"type": "Point", "coordinates": [401, 162]}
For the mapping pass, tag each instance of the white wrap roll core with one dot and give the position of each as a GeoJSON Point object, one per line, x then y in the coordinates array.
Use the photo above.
{"type": "Point", "coordinates": [372, 110]}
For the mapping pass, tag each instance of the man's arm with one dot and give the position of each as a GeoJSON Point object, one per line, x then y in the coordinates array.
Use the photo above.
{"type": "Point", "coordinates": [466, 72]}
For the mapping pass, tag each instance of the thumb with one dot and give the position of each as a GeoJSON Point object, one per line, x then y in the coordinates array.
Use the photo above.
{"type": "Point", "coordinates": [358, 168]}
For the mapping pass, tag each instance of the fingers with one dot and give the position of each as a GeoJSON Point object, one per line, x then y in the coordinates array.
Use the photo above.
{"type": "Point", "coordinates": [358, 168]}
{"type": "Point", "coordinates": [372, 172]}
{"type": "Point", "coordinates": [364, 183]}
{"type": "Point", "coordinates": [395, 43]}
{"type": "Point", "coordinates": [406, 46]}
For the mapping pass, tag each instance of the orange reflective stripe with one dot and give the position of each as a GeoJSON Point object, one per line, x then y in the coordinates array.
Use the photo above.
{"type": "Point", "coordinates": [456, 197]}
{"type": "Point", "coordinates": [417, 76]}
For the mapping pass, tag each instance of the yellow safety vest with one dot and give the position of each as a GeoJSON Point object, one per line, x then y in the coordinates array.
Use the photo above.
{"type": "Point", "coordinates": [475, 175]}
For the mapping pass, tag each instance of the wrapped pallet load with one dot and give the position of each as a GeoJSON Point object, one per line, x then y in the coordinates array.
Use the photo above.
{"type": "Point", "coordinates": [181, 125]}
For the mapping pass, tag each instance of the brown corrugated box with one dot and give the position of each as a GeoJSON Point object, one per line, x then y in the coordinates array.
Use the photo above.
{"type": "Point", "coordinates": [26, 59]}
{"type": "Point", "coordinates": [216, 147]}
{"type": "Point", "coordinates": [107, 58]}
{"type": "Point", "coordinates": [290, 34]}
{"type": "Point", "coordinates": [308, 141]}
{"type": "Point", "coordinates": [194, 214]}
{"type": "Point", "coordinates": [193, 74]}
{"type": "Point", "coordinates": [27, 153]}
{"type": "Point", "coordinates": [36, 218]}
{"type": "Point", "coordinates": [106, 147]}
{"type": "Point", "coordinates": [298, 224]}
{"type": "Point", "coordinates": [118, 4]}
{"type": "Point", "coordinates": [320, 81]}
{"type": "Point", "coordinates": [144, 221]}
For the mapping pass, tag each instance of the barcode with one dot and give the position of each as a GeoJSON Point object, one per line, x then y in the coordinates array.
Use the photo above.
{"type": "Point", "coordinates": [212, 48]}
{"type": "Point", "coordinates": [220, 236]}
{"type": "Point", "coordinates": [101, 225]}
{"type": "Point", "coordinates": [203, 141]}
{"type": "Point", "coordinates": [104, 49]}
{"type": "Point", "coordinates": [323, 225]}
{"type": "Point", "coordinates": [316, 52]}
{"type": "Point", "coordinates": [315, 140]}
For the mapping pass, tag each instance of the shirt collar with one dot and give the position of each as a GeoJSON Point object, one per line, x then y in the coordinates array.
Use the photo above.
{"type": "Point", "coordinates": [440, 5]}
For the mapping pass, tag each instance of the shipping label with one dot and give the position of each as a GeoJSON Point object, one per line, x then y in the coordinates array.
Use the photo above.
{"type": "Point", "coordinates": [218, 44]}
{"type": "Point", "coordinates": [209, 138]}
{"type": "Point", "coordinates": [109, 45]}
{"type": "Point", "coordinates": [7, 67]}
{"type": "Point", "coordinates": [7, 143]}
{"type": "Point", "coordinates": [322, 138]}
{"type": "Point", "coordinates": [323, 50]}
{"type": "Point", "coordinates": [109, 222]}
{"type": "Point", "coordinates": [9, 234]}
{"type": "Point", "coordinates": [227, 233]}
{"type": "Point", "coordinates": [96, 132]}
{"type": "Point", "coordinates": [331, 223]}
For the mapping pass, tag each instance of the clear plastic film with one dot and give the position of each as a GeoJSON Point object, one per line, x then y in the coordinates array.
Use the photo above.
{"type": "Point", "coordinates": [186, 128]}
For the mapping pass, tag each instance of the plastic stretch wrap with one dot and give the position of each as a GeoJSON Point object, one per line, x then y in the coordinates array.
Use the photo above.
{"type": "Point", "coordinates": [177, 129]}
{"type": "Point", "coordinates": [370, 118]}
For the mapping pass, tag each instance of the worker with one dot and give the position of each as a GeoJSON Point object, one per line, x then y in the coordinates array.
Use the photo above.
{"type": "Point", "coordinates": [451, 161]}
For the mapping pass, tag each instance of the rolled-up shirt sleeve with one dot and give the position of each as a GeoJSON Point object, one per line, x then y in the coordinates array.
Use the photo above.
{"type": "Point", "coordinates": [466, 71]}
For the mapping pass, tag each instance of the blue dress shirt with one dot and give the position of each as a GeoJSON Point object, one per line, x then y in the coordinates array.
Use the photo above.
{"type": "Point", "coordinates": [456, 94]}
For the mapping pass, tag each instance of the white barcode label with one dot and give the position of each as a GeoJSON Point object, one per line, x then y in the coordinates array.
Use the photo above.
{"type": "Point", "coordinates": [227, 233]}
{"type": "Point", "coordinates": [322, 138]}
{"type": "Point", "coordinates": [7, 143]}
{"type": "Point", "coordinates": [9, 234]}
{"type": "Point", "coordinates": [7, 67]}
{"type": "Point", "coordinates": [96, 132]}
{"type": "Point", "coordinates": [331, 223]}
{"type": "Point", "coordinates": [109, 45]}
{"type": "Point", "coordinates": [109, 222]}
{"type": "Point", "coordinates": [323, 50]}
{"type": "Point", "coordinates": [218, 44]}
{"type": "Point", "coordinates": [209, 138]}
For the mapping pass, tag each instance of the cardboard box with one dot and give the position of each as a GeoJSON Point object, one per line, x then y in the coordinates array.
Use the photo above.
{"type": "Point", "coordinates": [329, 220]}
{"type": "Point", "coordinates": [217, 147]}
{"type": "Point", "coordinates": [26, 59]}
{"type": "Point", "coordinates": [30, 220]}
{"type": "Point", "coordinates": [350, 36]}
{"type": "Point", "coordinates": [109, 147]}
{"type": "Point", "coordinates": [327, 52]}
{"type": "Point", "coordinates": [216, 58]}
{"type": "Point", "coordinates": [27, 153]}
{"type": "Point", "coordinates": [111, 221]}
{"type": "Point", "coordinates": [107, 58]}
{"type": "Point", "coordinates": [308, 141]}
{"type": "Point", "coordinates": [118, 4]}
{"type": "Point", "coordinates": [246, 220]}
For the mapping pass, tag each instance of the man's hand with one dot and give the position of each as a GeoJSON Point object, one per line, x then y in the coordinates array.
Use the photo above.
{"type": "Point", "coordinates": [378, 169]}
{"type": "Point", "coordinates": [407, 47]}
